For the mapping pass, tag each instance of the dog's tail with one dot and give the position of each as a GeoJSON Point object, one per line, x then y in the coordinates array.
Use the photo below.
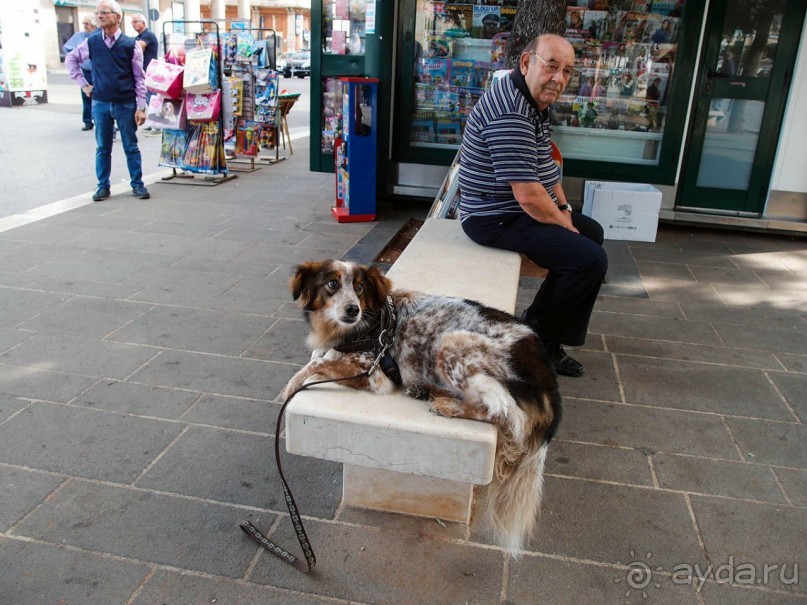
{"type": "Point", "coordinates": [514, 497]}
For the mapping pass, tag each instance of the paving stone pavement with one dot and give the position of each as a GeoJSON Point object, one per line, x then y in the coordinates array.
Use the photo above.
{"type": "Point", "coordinates": [143, 345]}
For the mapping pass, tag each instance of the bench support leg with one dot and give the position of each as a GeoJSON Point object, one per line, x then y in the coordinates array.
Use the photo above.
{"type": "Point", "coordinates": [393, 492]}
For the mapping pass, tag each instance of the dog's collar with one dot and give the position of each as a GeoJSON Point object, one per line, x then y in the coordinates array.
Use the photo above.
{"type": "Point", "coordinates": [377, 338]}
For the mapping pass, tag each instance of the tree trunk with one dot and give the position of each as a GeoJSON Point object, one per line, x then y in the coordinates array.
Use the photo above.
{"type": "Point", "coordinates": [533, 18]}
{"type": "Point", "coordinates": [750, 65]}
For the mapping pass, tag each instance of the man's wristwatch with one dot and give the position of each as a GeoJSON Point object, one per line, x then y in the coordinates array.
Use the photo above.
{"type": "Point", "coordinates": [564, 207]}
{"type": "Point", "coordinates": [142, 108]}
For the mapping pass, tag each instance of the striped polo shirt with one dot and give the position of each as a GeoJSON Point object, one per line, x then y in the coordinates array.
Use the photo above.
{"type": "Point", "coordinates": [506, 140]}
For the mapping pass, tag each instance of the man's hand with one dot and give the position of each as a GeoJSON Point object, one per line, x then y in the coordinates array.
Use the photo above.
{"type": "Point", "coordinates": [140, 117]}
{"type": "Point", "coordinates": [87, 89]}
{"type": "Point", "coordinates": [536, 202]}
{"type": "Point", "coordinates": [567, 214]}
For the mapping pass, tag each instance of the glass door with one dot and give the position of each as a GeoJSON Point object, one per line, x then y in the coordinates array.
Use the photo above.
{"type": "Point", "coordinates": [340, 48]}
{"type": "Point", "coordinates": [745, 76]}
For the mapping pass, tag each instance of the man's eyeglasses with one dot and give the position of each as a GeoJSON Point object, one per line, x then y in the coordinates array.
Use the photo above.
{"type": "Point", "coordinates": [553, 67]}
{"type": "Point", "coordinates": [104, 12]}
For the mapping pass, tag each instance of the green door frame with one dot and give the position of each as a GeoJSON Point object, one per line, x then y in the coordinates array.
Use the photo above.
{"type": "Point", "coordinates": [375, 63]}
{"type": "Point", "coordinates": [753, 199]}
{"type": "Point", "coordinates": [663, 173]}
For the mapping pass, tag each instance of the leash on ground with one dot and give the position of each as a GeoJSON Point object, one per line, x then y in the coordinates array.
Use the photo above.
{"type": "Point", "coordinates": [253, 532]}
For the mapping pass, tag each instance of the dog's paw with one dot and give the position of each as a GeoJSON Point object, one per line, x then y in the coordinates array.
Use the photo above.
{"type": "Point", "coordinates": [320, 354]}
{"type": "Point", "coordinates": [419, 392]}
{"type": "Point", "coordinates": [446, 407]}
{"type": "Point", "coordinates": [287, 391]}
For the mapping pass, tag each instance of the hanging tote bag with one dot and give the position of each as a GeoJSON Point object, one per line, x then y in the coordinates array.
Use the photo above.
{"type": "Point", "coordinates": [165, 79]}
{"type": "Point", "coordinates": [164, 113]}
{"type": "Point", "coordinates": [200, 71]}
{"type": "Point", "coordinates": [203, 107]}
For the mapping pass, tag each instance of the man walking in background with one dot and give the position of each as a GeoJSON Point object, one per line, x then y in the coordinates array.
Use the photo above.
{"type": "Point", "coordinates": [148, 42]}
{"type": "Point", "coordinates": [146, 39]}
{"type": "Point", "coordinates": [118, 94]}
{"type": "Point", "coordinates": [88, 27]}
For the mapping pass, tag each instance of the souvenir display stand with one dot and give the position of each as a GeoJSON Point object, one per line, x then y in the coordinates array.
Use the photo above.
{"type": "Point", "coordinates": [242, 144]}
{"type": "Point", "coordinates": [242, 43]}
{"type": "Point", "coordinates": [194, 147]}
{"type": "Point", "coordinates": [252, 116]}
{"type": "Point", "coordinates": [251, 112]}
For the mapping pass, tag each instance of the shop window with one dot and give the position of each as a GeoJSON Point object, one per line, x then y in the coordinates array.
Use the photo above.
{"type": "Point", "coordinates": [343, 27]}
{"type": "Point", "coordinates": [614, 108]}
{"type": "Point", "coordinates": [457, 47]}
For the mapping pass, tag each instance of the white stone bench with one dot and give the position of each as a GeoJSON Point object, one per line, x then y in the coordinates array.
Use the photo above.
{"type": "Point", "coordinates": [398, 456]}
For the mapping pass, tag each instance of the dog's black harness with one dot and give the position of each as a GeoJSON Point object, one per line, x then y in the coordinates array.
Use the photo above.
{"type": "Point", "coordinates": [377, 339]}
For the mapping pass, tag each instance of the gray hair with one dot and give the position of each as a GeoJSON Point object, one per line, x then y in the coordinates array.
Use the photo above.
{"type": "Point", "coordinates": [113, 6]}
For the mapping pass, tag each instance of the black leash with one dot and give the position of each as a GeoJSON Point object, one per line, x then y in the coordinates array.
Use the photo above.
{"type": "Point", "coordinates": [254, 533]}
{"type": "Point", "coordinates": [383, 358]}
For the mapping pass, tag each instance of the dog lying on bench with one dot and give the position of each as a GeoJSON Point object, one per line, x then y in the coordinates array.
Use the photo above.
{"type": "Point", "coordinates": [467, 360]}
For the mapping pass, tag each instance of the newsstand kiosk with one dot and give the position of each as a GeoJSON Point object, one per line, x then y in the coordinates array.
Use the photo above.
{"type": "Point", "coordinates": [355, 152]}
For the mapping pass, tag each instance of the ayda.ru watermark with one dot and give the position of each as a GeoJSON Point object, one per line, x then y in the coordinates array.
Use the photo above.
{"type": "Point", "coordinates": [742, 574]}
{"type": "Point", "coordinates": [639, 574]}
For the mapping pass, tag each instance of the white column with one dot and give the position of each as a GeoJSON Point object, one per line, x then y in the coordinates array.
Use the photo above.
{"type": "Point", "coordinates": [292, 39]}
{"type": "Point", "coordinates": [193, 13]}
{"type": "Point", "coordinates": [244, 10]}
{"type": "Point", "coordinates": [218, 13]}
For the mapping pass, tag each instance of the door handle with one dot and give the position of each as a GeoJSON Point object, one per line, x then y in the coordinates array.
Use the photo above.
{"type": "Point", "coordinates": [715, 74]}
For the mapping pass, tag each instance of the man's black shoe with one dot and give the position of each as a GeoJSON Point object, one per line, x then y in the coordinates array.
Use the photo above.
{"type": "Point", "coordinates": [141, 192]}
{"type": "Point", "coordinates": [100, 195]}
{"type": "Point", "coordinates": [564, 364]}
{"type": "Point", "coordinates": [87, 127]}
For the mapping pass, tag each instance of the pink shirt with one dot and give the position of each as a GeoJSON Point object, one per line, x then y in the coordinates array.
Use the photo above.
{"type": "Point", "coordinates": [78, 55]}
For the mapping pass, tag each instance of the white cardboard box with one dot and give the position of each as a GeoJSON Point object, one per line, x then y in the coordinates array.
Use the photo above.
{"type": "Point", "coordinates": [626, 211]}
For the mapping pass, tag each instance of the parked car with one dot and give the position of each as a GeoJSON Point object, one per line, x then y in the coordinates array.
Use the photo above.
{"type": "Point", "coordinates": [299, 64]}
{"type": "Point", "coordinates": [283, 60]}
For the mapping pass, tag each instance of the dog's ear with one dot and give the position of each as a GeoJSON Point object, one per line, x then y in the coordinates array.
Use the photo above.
{"type": "Point", "coordinates": [377, 286]}
{"type": "Point", "coordinates": [302, 279]}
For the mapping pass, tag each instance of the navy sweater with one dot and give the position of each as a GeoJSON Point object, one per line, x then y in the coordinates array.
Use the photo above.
{"type": "Point", "coordinates": [112, 76]}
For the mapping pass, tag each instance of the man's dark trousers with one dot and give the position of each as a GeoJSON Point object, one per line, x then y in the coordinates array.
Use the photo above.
{"type": "Point", "coordinates": [86, 102]}
{"type": "Point", "coordinates": [576, 263]}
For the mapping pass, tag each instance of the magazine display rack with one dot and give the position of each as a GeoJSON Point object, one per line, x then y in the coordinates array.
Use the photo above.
{"type": "Point", "coordinates": [195, 154]}
{"type": "Point", "coordinates": [251, 110]}
{"type": "Point", "coordinates": [448, 197]}
{"type": "Point", "coordinates": [250, 44]}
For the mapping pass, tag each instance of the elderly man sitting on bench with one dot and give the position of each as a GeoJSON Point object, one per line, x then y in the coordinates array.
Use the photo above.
{"type": "Point", "coordinates": [511, 196]}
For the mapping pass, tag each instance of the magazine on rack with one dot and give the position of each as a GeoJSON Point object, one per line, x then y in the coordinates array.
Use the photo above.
{"type": "Point", "coordinates": [434, 71]}
{"type": "Point", "coordinates": [448, 132]}
{"type": "Point", "coordinates": [422, 131]}
{"type": "Point", "coordinates": [660, 29]}
{"type": "Point", "coordinates": [470, 74]}
{"type": "Point", "coordinates": [486, 21]}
